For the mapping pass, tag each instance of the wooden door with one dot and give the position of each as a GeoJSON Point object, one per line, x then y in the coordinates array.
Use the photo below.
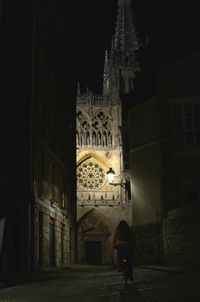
{"type": "Point", "coordinates": [93, 252]}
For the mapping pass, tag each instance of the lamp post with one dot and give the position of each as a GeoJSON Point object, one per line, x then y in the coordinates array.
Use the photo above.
{"type": "Point", "coordinates": [111, 175]}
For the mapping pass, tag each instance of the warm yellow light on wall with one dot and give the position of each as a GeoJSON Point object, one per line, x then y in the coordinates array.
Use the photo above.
{"type": "Point", "coordinates": [111, 175]}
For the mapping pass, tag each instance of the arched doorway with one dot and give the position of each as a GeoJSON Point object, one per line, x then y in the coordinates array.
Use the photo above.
{"type": "Point", "coordinates": [94, 239]}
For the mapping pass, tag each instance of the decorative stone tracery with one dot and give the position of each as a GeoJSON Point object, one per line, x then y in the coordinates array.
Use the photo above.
{"type": "Point", "coordinates": [90, 175]}
{"type": "Point", "coordinates": [94, 131]}
{"type": "Point", "coordinates": [93, 226]}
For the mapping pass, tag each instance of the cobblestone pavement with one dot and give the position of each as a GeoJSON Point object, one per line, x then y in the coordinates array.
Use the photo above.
{"type": "Point", "coordinates": [162, 286]}
{"type": "Point", "coordinates": [95, 284]}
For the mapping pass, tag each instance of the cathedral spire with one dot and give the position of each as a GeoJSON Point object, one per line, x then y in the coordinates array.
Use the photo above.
{"type": "Point", "coordinates": [125, 40]}
{"type": "Point", "coordinates": [122, 61]}
{"type": "Point", "coordinates": [106, 75]}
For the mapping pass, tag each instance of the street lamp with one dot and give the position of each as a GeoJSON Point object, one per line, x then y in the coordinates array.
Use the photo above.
{"type": "Point", "coordinates": [111, 174]}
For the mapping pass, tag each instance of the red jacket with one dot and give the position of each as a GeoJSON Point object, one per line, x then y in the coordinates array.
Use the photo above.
{"type": "Point", "coordinates": [116, 242]}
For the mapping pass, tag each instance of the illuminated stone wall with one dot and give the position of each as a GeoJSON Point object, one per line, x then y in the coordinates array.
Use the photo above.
{"type": "Point", "coordinates": [99, 148]}
{"type": "Point", "coordinates": [55, 211]}
{"type": "Point", "coordinates": [181, 236]}
{"type": "Point", "coordinates": [64, 238]}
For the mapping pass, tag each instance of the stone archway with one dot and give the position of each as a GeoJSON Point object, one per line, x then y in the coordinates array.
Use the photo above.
{"type": "Point", "coordinates": [94, 239]}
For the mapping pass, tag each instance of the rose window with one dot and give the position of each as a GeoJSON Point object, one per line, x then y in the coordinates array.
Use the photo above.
{"type": "Point", "coordinates": [90, 176]}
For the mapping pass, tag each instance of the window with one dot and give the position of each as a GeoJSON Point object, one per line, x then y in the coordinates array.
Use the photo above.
{"type": "Point", "coordinates": [64, 194]}
{"type": "Point", "coordinates": [62, 243]}
{"type": "Point", "coordinates": [40, 173]}
{"type": "Point", "coordinates": [187, 126]}
{"type": "Point", "coordinates": [90, 175]}
{"type": "Point", "coordinates": [191, 191]}
{"type": "Point", "coordinates": [52, 252]}
{"type": "Point", "coordinates": [95, 131]}
{"type": "Point", "coordinates": [52, 183]}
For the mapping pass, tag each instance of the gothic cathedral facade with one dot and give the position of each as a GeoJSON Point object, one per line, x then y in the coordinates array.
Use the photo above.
{"type": "Point", "coordinates": [99, 140]}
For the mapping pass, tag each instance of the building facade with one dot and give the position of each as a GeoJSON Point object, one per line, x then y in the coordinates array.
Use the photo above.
{"type": "Point", "coordinates": [99, 141]}
{"type": "Point", "coordinates": [54, 167]}
{"type": "Point", "coordinates": [54, 192]}
{"type": "Point", "coordinates": [164, 160]}
{"type": "Point", "coordinates": [16, 179]}
{"type": "Point", "coordinates": [38, 165]}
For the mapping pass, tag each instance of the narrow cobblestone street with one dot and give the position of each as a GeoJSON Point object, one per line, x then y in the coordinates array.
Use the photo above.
{"type": "Point", "coordinates": [86, 284]}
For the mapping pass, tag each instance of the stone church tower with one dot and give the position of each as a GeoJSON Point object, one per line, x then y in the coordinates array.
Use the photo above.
{"type": "Point", "coordinates": [100, 206]}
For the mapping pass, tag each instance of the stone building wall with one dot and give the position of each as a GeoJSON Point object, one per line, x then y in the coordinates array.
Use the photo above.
{"type": "Point", "coordinates": [63, 249]}
{"type": "Point", "coordinates": [181, 236]}
{"type": "Point", "coordinates": [100, 205]}
{"type": "Point", "coordinates": [175, 242]}
{"type": "Point", "coordinates": [149, 247]}
{"type": "Point", "coordinates": [98, 224]}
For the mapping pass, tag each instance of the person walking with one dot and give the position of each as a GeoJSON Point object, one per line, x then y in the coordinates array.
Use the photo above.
{"type": "Point", "coordinates": [124, 241]}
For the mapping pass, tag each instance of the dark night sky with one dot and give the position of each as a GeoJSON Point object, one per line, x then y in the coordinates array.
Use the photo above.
{"type": "Point", "coordinates": [86, 28]}
{"type": "Point", "coordinates": [171, 26]}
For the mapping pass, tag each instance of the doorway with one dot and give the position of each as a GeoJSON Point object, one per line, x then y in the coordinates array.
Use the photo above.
{"type": "Point", "coordinates": [93, 252]}
{"type": "Point", "coordinates": [41, 239]}
{"type": "Point", "coordinates": [52, 243]}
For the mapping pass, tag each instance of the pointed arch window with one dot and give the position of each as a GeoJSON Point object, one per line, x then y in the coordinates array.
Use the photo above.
{"type": "Point", "coordinates": [94, 138]}
{"type": "Point", "coordinates": [77, 138]}
{"type": "Point", "coordinates": [87, 138]}
{"type": "Point", "coordinates": [98, 138]}
{"type": "Point", "coordinates": [104, 141]}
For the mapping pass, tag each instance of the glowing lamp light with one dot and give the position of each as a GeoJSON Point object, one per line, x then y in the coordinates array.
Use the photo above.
{"type": "Point", "coordinates": [111, 174]}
